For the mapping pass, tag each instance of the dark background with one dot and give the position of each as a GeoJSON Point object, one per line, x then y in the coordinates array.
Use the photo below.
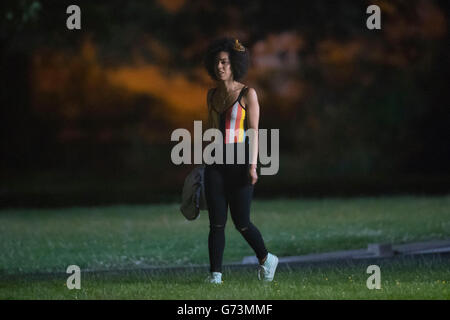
{"type": "Point", "coordinates": [86, 115]}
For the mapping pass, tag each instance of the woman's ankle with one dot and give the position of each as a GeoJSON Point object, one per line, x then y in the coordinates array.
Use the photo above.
{"type": "Point", "coordinates": [263, 260]}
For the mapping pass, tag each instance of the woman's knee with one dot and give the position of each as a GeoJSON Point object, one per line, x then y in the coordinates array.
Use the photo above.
{"type": "Point", "coordinates": [217, 227]}
{"type": "Point", "coordinates": [242, 228]}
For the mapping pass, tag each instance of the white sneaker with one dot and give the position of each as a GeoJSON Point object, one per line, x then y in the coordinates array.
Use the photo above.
{"type": "Point", "coordinates": [267, 269]}
{"type": "Point", "coordinates": [215, 277]}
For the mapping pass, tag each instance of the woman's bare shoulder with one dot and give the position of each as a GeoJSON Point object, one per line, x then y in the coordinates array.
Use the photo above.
{"type": "Point", "coordinates": [249, 95]}
{"type": "Point", "coordinates": [250, 92]}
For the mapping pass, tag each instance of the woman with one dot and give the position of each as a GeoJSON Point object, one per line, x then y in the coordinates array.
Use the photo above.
{"type": "Point", "coordinates": [232, 108]}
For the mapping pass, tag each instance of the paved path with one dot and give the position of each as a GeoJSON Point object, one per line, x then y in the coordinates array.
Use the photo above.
{"type": "Point", "coordinates": [373, 254]}
{"type": "Point", "coordinates": [372, 251]}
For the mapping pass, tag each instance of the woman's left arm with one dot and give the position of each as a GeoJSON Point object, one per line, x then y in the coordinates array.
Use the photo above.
{"type": "Point", "coordinates": [253, 123]}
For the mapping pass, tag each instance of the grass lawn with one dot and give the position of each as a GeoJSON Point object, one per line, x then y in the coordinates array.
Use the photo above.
{"type": "Point", "coordinates": [420, 278]}
{"type": "Point", "coordinates": [124, 237]}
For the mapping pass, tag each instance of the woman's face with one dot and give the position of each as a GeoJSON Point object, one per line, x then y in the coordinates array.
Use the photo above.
{"type": "Point", "coordinates": [223, 66]}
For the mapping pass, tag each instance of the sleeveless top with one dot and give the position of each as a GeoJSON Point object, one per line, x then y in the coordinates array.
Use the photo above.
{"type": "Point", "coordinates": [233, 125]}
{"type": "Point", "coordinates": [233, 120]}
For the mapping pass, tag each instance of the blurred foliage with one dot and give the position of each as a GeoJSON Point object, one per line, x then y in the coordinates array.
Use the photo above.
{"type": "Point", "coordinates": [104, 100]}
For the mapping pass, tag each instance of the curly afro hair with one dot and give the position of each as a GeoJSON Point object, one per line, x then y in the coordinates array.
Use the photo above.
{"type": "Point", "coordinates": [239, 59]}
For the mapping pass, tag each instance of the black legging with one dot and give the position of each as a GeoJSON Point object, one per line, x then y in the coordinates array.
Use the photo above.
{"type": "Point", "coordinates": [229, 185]}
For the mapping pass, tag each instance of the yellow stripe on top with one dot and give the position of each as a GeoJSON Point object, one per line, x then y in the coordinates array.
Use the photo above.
{"type": "Point", "coordinates": [241, 126]}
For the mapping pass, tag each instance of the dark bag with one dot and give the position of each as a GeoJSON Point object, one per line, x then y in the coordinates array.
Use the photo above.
{"type": "Point", "coordinates": [193, 196]}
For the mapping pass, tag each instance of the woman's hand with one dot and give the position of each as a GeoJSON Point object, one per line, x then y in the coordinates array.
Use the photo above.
{"type": "Point", "coordinates": [253, 175]}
